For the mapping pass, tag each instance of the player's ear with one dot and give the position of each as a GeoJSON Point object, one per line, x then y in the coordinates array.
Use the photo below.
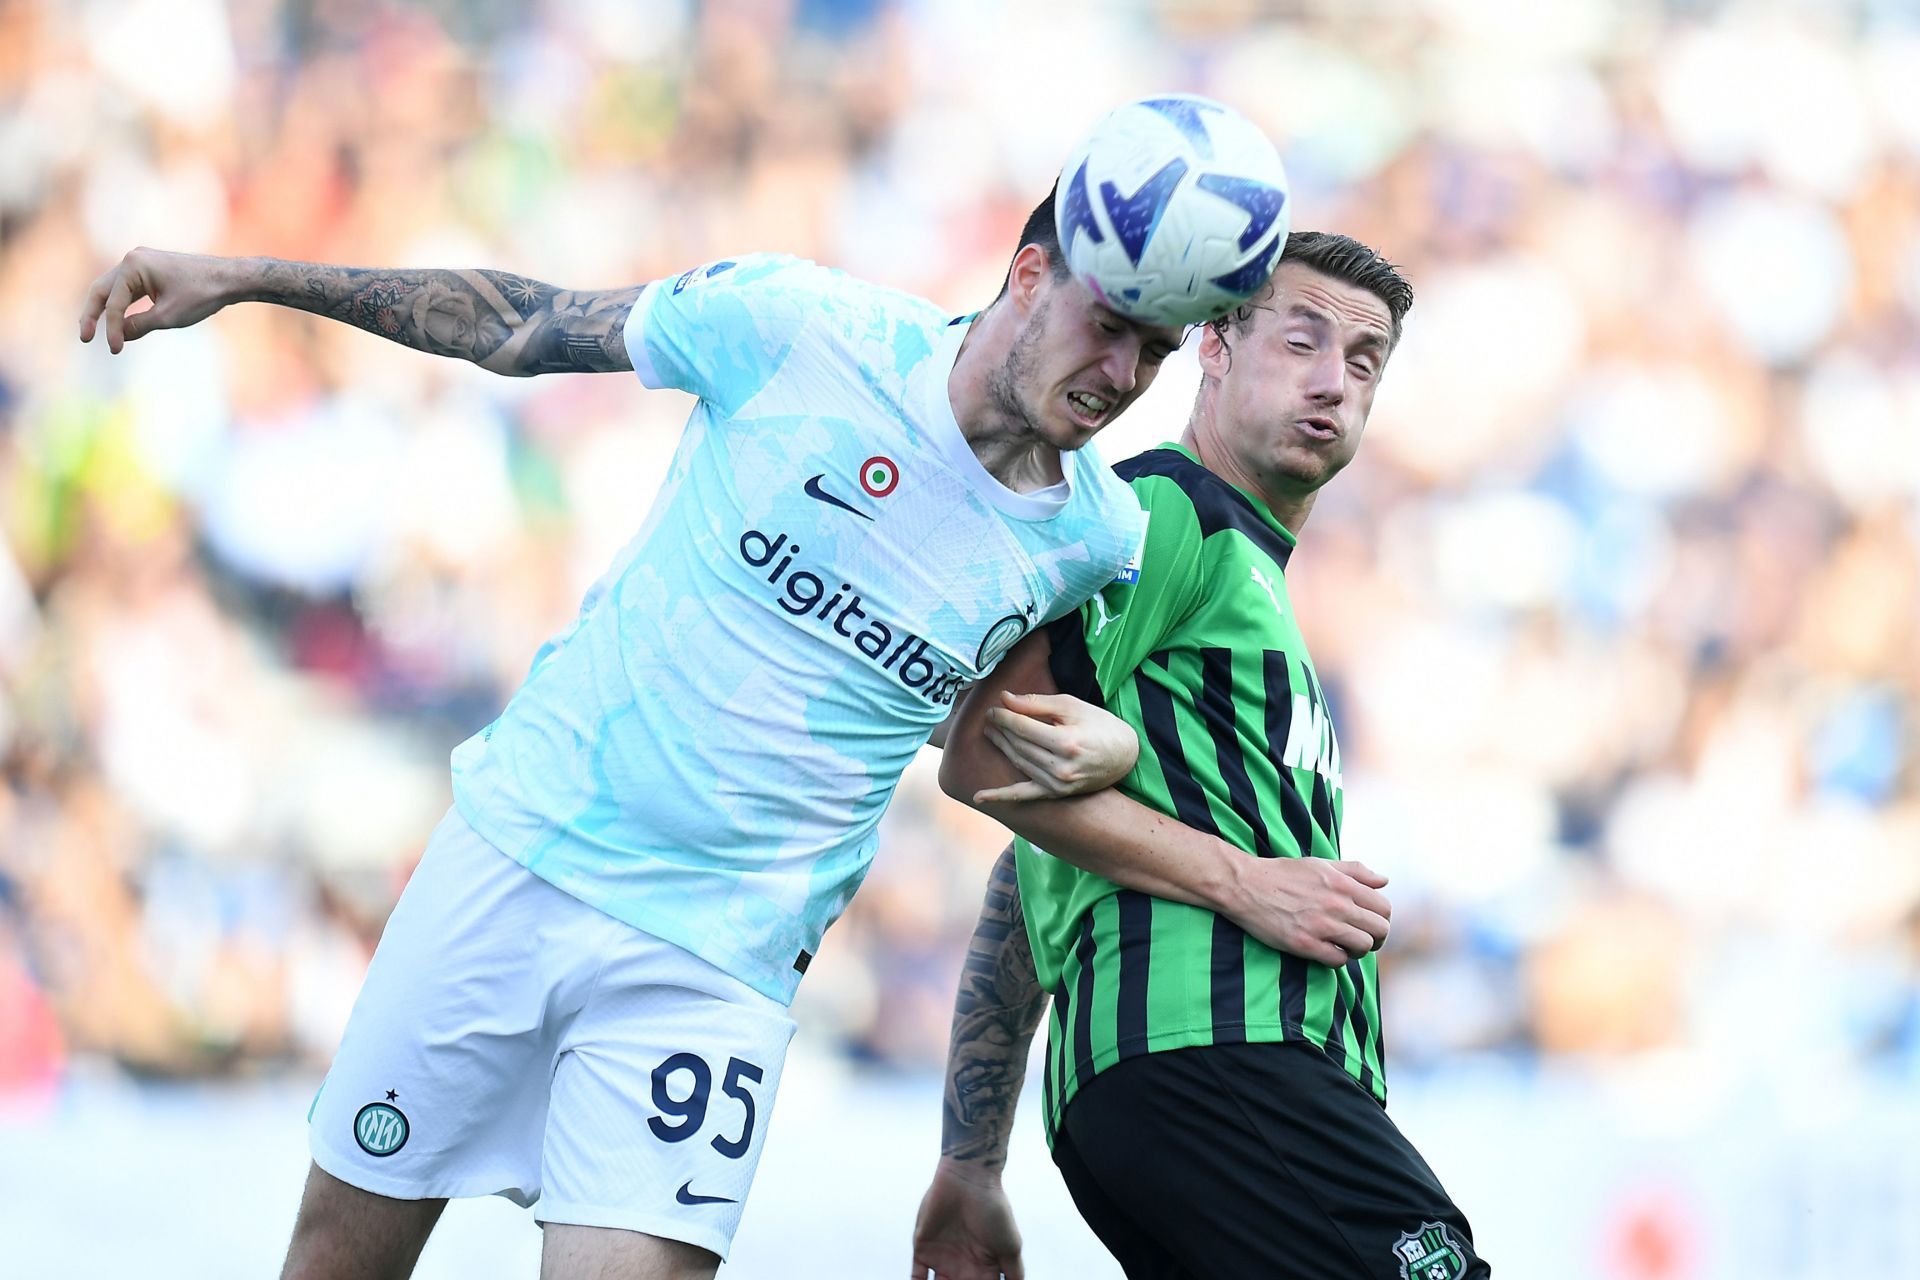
{"type": "Point", "coordinates": [1213, 351]}
{"type": "Point", "coordinates": [1029, 276]}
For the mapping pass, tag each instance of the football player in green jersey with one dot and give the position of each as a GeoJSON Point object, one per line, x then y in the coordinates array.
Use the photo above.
{"type": "Point", "coordinates": [1214, 1090]}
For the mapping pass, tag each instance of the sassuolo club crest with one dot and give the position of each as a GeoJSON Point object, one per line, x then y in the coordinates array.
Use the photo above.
{"type": "Point", "coordinates": [1430, 1253]}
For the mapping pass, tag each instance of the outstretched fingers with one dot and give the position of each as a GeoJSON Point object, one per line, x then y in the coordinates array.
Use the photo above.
{"type": "Point", "coordinates": [95, 303]}
{"type": "Point", "coordinates": [1013, 793]}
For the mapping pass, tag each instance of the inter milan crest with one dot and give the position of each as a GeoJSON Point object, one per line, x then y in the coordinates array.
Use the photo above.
{"type": "Point", "coordinates": [1000, 637]}
{"type": "Point", "coordinates": [380, 1129]}
{"type": "Point", "coordinates": [1431, 1253]}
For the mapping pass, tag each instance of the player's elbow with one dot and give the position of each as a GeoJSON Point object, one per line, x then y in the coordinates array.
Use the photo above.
{"type": "Point", "coordinates": [961, 772]}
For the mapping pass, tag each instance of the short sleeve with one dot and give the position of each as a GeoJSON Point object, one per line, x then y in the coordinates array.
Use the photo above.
{"type": "Point", "coordinates": [1098, 648]}
{"type": "Point", "coordinates": [721, 331]}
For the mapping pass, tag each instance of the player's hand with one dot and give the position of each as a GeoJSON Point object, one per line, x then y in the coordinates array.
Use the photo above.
{"type": "Point", "coordinates": [1328, 911]}
{"type": "Point", "coordinates": [185, 288]}
{"type": "Point", "coordinates": [1066, 747]}
{"type": "Point", "coordinates": [965, 1230]}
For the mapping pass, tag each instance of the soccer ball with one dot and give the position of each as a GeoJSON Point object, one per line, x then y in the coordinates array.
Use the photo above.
{"type": "Point", "coordinates": [1173, 209]}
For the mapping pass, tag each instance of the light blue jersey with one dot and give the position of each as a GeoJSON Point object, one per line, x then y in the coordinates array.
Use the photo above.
{"type": "Point", "coordinates": [706, 751]}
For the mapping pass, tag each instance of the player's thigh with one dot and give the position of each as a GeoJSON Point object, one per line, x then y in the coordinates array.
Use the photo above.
{"type": "Point", "coordinates": [439, 1087]}
{"type": "Point", "coordinates": [661, 1099]}
{"type": "Point", "coordinates": [344, 1231]}
{"type": "Point", "coordinates": [570, 1252]}
{"type": "Point", "coordinates": [1268, 1160]}
{"type": "Point", "coordinates": [1140, 1255]}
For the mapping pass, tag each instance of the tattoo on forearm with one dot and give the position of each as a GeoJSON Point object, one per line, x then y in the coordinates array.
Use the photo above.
{"type": "Point", "coordinates": [999, 1005]}
{"type": "Point", "coordinates": [500, 321]}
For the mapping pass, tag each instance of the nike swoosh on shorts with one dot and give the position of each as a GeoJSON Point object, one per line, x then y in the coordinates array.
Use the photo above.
{"type": "Point", "coordinates": [685, 1196]}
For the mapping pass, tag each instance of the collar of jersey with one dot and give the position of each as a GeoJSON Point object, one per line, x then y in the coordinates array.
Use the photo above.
{"type": "Point", "coordinates": [933, 409]}
{"type": "Point", "coordinates": [1260, 508]}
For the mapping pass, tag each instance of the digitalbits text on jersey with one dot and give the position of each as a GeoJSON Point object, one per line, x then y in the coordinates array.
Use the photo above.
{"type": "Point", "coordinates": [803, 594]}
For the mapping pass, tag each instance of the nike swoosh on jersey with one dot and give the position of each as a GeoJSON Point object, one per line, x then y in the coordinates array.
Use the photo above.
{"type": "Point", "coordinates": [815, 491]}
{"type": "Point", "coordinates": [685, 1195]}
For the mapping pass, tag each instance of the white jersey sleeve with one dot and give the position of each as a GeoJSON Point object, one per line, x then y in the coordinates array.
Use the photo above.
{"type": "Point", "coordinates": [723, 330]}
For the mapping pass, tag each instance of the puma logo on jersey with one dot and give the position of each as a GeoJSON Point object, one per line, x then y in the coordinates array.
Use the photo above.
{"type": "Point", "coordinates": [1266, 585]}
{"type": "Point", "coordinates": [1102, 617]}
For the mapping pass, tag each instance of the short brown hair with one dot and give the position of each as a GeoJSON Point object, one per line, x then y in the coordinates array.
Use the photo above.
{"type": "Point", "coordinates": [1342, 258]}
{"type": "Point", "coordinates": [1041, 230]}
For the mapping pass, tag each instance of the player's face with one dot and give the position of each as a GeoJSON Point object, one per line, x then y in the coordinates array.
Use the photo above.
{"type": "Point", "coordinates": [1077, 365]}
{"type": "Point", "coordinates": [1295, 392]}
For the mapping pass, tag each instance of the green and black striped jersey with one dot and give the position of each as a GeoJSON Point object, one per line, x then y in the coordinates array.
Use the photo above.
{"type": "Point", "coordinates": [1201, 654]}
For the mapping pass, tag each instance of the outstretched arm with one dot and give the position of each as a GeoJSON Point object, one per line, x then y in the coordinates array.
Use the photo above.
{"type": "Point", "coordinates": [499, 321]}
{"type": "Point", "coordinates": [1329, 912]}
{"type": "Point", "coordinates": [965, 1228]}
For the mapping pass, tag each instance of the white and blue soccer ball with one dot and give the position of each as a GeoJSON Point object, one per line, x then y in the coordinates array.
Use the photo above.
{"type": "Point", "coordinates": [1173, 210]}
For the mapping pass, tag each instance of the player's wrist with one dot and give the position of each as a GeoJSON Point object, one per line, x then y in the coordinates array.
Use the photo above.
{"type": "Point", "coordinates": [980, 1172]}
{"type": "Point", "coordinates": [1226, 886]}
{"type": "Point", "coordinates": [241, 280]}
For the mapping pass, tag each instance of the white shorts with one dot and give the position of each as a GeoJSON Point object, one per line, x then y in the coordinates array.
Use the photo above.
{"type": "Point", "coordinates": [512, 1040]}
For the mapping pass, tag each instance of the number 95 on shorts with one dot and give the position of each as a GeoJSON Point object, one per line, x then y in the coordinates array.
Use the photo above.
{"type": "Point", "coordinates": [511, 1040]}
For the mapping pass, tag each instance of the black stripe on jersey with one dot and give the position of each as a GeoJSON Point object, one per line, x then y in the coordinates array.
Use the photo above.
{"type": "Point", "coordinates": [1163, 736]}
{"type": "Point", "coordinates": [1057, 1043]}
{"type": "Point", "coordinates": [1337, 1023]}
{"type": "Point", "coordinates": [1046, 1081]}
{"type": "Point", "coordinates": [1293, 993]}
{"type": "Point", "coordinates": [1071, 664]}
{"type": "Point", "coordinates": [1293, 809]}
{"type": "Point", "coordinates": [1323, 811]}
{"type": "Point", "coordinates": [1217, 504]}
{"type": "Point", "coordinates": [1379, 1032]}
{"type": "Point", "coordinates": [1361, 1023]}
{"type": "Point", "coordinates": [1083, 1005]}
{"type": "Point", "coordinates": [1229, 982]}
{"type": "Point", "coordinates": [1322, 792]}
{"type": "Point", "coordinates": [1216, 708]}
{"type": "Point", "coordinates": [1136, 953]}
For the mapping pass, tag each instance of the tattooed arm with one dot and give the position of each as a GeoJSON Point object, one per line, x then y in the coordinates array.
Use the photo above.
{"type": "Point", "coordinates": [502, 322]}
{"type": "Point", "coordinates": [994, 1016]}
{"type": "Point", "coordinates": [965, 1229]}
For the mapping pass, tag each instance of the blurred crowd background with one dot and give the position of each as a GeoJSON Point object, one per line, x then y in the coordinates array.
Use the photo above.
{"type": "Point", "coordinates": [1619, 608]}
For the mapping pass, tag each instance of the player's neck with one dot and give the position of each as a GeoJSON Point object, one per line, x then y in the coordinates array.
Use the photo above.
{"type": "Point", "coordinates": [1021, 464]}
{"type": "Point", "coordinates": [1003, 442]}
{"type": "Point", "coordinates": [1290, 507]}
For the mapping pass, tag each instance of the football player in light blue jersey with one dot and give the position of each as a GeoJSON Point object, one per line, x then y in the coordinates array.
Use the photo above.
{"type": "Point", "coordinates": [581, 997]}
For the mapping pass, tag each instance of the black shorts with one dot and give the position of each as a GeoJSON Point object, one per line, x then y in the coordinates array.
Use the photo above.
{"type": "Point", "coordinates": [1264, 1161]}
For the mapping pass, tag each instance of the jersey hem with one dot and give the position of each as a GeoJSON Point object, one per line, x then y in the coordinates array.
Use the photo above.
{"type": "Point", "coordinates": [664, 929]}
{"type": "Point", "coordinates": [633, 335]}
{"type": "Point", "coordinates": [1203, 1038]}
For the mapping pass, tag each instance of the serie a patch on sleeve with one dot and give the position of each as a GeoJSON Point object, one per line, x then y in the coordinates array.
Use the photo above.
{"type": "Point", "coordinates": [1130, 571]}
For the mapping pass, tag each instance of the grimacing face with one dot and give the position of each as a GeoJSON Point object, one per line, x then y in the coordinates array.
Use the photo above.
{"type": "Point", "coordinates": [1076, 364]}
{"type": "Point", "coordinates": [1293, 396]}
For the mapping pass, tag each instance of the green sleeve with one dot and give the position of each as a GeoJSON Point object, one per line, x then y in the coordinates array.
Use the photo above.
{"type": "Point", "coordinates": [1097, 650]}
